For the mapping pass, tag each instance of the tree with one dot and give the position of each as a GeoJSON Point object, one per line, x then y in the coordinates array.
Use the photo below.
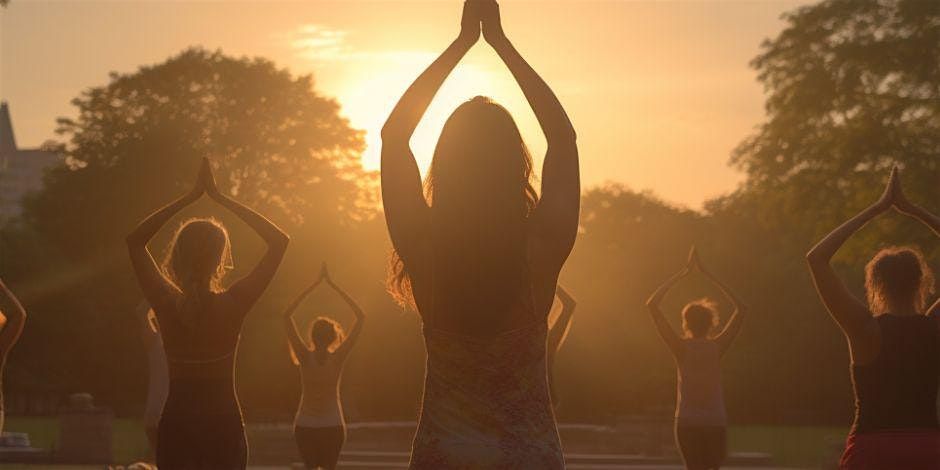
{"type": "Point", "coordinates": [853, 88]}
{"type": "Point", "coordinates": [136, 144]}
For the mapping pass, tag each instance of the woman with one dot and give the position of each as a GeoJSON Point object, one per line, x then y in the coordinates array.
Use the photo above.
{"type": "Point", "coordinates": [701, 422]}
{"type": "Point", "coordinates": [894, 344]}
{"type": "Point", "coordinates": [556, 337]}
{"type": "Point", "coordinates": [319, 427]}
{"type": "Point", "coordinates": [158, 382]}
{"type": "Point", "coordinates": [12, 319]}
{"type": "Point", "coordinates": [201, 426]}
{"type": "Point", "coordinates": [478, 255]}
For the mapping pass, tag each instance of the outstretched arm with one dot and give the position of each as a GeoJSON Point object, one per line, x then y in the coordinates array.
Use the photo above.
{"type": "Point", "coordinates": [294, 340]}
{"type": "Point", "coordinates": [249, 288]}
{"type": "Point", "coordinates": [932, 221]}
{"type": "Point", "coordinates": [15, 320]}
{"type": "Point", "coordinates": [668, 335]}
{"type": "Point", "coordinates": [559, 330]}
{"type": "Point", "coordinates": [343, 350]}
{"type": "Point", "coordinates": [402, 193]}
{"type": "Point", "coordinates": [851, 314]}
{"type": "Point", "coordinates": [733, 326]}
{"type": "Point", "coordinates": [156, 288]}
{"type": "Point", "coordinates": [556, 216]}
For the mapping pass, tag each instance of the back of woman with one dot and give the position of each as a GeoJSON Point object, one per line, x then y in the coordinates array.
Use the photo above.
{"type": "Point", "coordinates": [478, 253]}
{"type": "Point", "coordinates": [894, 344]}
{"type": "Point", "coordinates": [898, 389]}
{"type": "Point", "coordinates": [200, 321]}
{"type": "Point", "coordinates": [700, 399]}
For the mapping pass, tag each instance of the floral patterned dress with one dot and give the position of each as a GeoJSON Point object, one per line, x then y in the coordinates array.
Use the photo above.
{"type": "Point", "coordinates": [486, 403]}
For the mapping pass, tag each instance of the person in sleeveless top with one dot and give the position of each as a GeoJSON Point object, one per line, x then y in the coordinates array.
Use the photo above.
{"type": "Point", "coordinates": [700, 419]}
{"type": "Point", "coordinates": [201, 426]}
{"type": "Point", "coordinates": [477, 252]}
{"type": "Point", "coordinates": [319, 426]}
{"type": "Point", "coordinates": [12, 321]}
{"type": "Point", "coordinates": [894, 344]}
{"type": "Point", "coordinates": [158, 375]}
{"type": "Point", "coordinates": [556, 338]}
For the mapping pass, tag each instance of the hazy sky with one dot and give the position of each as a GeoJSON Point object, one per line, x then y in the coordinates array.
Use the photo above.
{"type": "Point", "coordinates": [660, 92]}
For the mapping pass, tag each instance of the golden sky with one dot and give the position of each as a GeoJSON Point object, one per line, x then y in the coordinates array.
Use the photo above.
{"type": "Point", "coordinates": [660, 92]}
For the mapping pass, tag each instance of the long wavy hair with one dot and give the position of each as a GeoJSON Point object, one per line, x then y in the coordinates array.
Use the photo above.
{"type": "Point", "coordinates": [480, 191]}
{"type": "Point", "coordinates": [197, 259]}
{"type": "Point", "coordinates": [898, 275]}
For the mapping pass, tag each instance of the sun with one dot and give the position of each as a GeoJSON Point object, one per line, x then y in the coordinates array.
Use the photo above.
{"type": "Point", "coordinates": [368, 100]}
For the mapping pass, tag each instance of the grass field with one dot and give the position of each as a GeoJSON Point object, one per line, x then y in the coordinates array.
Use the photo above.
{"type": "Point", "coordinates": [792, 446]}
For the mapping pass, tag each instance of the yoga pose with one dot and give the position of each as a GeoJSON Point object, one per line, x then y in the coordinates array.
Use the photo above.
{"type": "Point", "coordinates": [158, 375]}
{"type": "Point", "coordinates": [894, 344]}
{"type": "Point", "coordinates": [319, 427]}
{"type": "Point", "coordinates": [200, 322]}
{"type": "Point", "coordinates": [478, 254]}
{"type": "Point", "coordinates": [556, 337]}
{"type": "Point", "coordinates": [700, 407]}
{"type": "Point", "coordinates": [13, 317]}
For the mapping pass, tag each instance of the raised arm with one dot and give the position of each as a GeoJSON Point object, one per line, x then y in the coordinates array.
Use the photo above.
{"type": "Point", "coordinates": [156, 288]}
{"type": "Point", "coordinates": [343, 350]}
{"type": "Point", "coordinates": [15, 320]}
{"type": "Point", "coordinates": [249, 288]}
{"type": "Point", "coordinates": [850, 313]}
{"type": "Point", "coordinates": [294, 341]}
{"type": "Point", "coordinates": [669, 336]}
{"type": "Point", "coordinates": [406, 210]}
{"type": "Point", "coordinates": [559, 330]}
{"type": "Point", "coordinates": [932, 221]}
{"type": "Point", "coordinates": [733, 326]}
{"type": "Point", "coordinates": [556, 216]}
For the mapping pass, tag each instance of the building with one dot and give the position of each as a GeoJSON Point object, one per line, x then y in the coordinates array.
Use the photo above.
{"type": "Point", "coordinates": [21, 170]}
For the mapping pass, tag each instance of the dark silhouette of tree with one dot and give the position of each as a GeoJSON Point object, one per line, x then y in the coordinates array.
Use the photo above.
{"type": "Point", "coordinates": [277, 145]}
{"type": "Point", "coordinates": [852, 89]}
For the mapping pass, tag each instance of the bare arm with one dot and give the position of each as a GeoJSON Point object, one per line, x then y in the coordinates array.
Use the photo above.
{"type": "Point", "coordinates": [15, 320]}
{"type": "Point", "coordinates": [156, 288]}
{"type": "Point", "coordinates": [343, 350]}
{"type": "Point", "coordinates": [669, 336]}
{"type": "Point", "coordinates": [733, 326]}
{"type": "Point", "coordinates": [556, 216]}
{"type": "Point", "coordinates": [406, 210]}
{"type": "Point", "coordinates": [249, 288]}
{"type": "Point", "coordinates": [850, 313]}
{"type": "Point", "coordinates": [559, 330]}
{"type": "Point", "coordinates": [294, 340]}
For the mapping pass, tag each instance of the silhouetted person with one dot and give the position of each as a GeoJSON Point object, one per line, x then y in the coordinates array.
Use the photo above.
{"type": "Point", "coordinates": [479, 254]}
{"type": "Point", "coordinates": [13, 318]}
{"type": "Point", "coordinates": [158, 381]}
{"type": "Point", "coordinates": [701, 421]}
{"type": "Point", "coordinates": [319, 427]}
{"type": "Point", "coordinates": [894, 344]}
{"type": "Point", "coordinates": [200, 321]}
{"type": "Point", "coordinates": [556, 337]}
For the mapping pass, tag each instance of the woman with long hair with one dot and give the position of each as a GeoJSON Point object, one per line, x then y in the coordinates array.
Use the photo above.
{"type": "Point", "coordinates": [157, 373]}
{"type": "Point", "coordinates": [557, 334]}
{"type": "Point", "coordinates": [894, 343]}
{"type": "Point", "coordinates": [700, 419]}
{"type": "Point", "coordinates": [12, 320]}
{"type": "Point", "coordinates": [200, 322]}
{"type": "Point", "coordinates": [477, 252]}
{"type": "Point", "coordinates": [319, 426]}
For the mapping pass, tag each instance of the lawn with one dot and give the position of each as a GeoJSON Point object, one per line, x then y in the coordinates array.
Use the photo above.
{"type": "Point", "coordinates": [794, 446]}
